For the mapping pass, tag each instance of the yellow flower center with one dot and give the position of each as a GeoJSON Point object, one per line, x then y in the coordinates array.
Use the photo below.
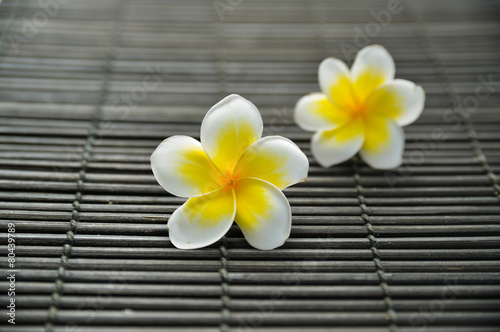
{"type": "Point", "coordinates": [231, 180]}
{"type": "Point", "coordinates": [361, 111]}
{"type": "Point", "coordinates": [358, 110]}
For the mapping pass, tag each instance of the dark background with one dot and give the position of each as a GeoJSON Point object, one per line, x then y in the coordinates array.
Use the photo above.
{"type": "Point", "coordinates": [89, 88]}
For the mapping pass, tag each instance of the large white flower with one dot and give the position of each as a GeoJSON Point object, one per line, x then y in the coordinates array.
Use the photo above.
{"type": "Point", "coordinates": [233, 174]}
{"type": "Point", "coordinates": [362, 109]}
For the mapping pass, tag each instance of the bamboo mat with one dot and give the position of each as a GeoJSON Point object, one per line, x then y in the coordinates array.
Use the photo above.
{"type": "Point", "coordinates": [90, 88]}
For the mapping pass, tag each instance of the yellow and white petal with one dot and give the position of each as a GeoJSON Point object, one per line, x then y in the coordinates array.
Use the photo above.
{"type": "Point", "coordinates": [182, 167]}
{"type": "Point", "coordinates": [401, 100]}
{"type": "Point", "coordinates": [202, 220]}
{"type": "Point", "coordinates": [372, 68]}
{"type": "Point", "coordinates": [384, 143]}
{"type": "Point", "coordinates": [335, 82]}
{"type": "Point", "coordinates": [262, 213]}
{"type": "Point", "coordinates": [315, 111]}
{"type": "Point", "coordinates": [274, 159]}
{"type": "Point", "coordinates": [228, 129]}
{"type": "Point", "coordinates": [331, 147]}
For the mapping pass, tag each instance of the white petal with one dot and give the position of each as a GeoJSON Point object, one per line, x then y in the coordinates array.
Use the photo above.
{"type": "Point", "coordinates": [316, 111]}
{"type": "Point", "coordinates": [388, 152]}
{"type": "Point", "coordinates": [335, 82]}
{"type": "Point", "coordinates": [274, 159]}
{"type": "Point", "coordinates": [372, 68]}
{"type": "Point", "coordinates": [228, 129]}
{"type": "Point", "coordinates": [202, 220]}
{"type": "Point", "coordinates": [331, 147]}
{"type": "Point", "coordinates": [182, 167]}
{"type": "Point", "coordinates": [401, 100]}
{"type": "Point", "coordinates": [262, 213]}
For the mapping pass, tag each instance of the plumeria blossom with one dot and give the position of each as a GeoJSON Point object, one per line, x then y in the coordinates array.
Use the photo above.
{"type": "Point", "coordinates": [362, 109]}
{"type": "Point", "coordinates": [231, 175]}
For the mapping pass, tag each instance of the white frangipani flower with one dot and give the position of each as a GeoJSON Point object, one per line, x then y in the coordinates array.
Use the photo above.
{"type": "Point", "coordinates": [362, 109]}
{"type": "Point", "coordinates": [233, 174]}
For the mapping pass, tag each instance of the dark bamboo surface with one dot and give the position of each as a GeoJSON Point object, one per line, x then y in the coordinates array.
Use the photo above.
{"type": "Point", "coordinates": [414, 249]}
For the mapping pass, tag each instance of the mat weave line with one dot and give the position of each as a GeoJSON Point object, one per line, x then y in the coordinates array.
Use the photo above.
{"type": "Point", "coordinates": [391, 313]}
{"type": "Point", "coordinates": [93, 135]}
{"type": "Point", "coordinates": [441, 71]}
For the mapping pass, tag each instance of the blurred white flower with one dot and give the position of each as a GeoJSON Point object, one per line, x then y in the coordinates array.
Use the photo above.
{"type": "Point", "coordinates": [361, 109]}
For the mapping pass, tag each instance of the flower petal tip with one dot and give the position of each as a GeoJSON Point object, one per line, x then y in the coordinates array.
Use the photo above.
{"type": "Point", "coordinates": [386, 167]}
{"type": "Point", "coordinates": [267, 248]}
